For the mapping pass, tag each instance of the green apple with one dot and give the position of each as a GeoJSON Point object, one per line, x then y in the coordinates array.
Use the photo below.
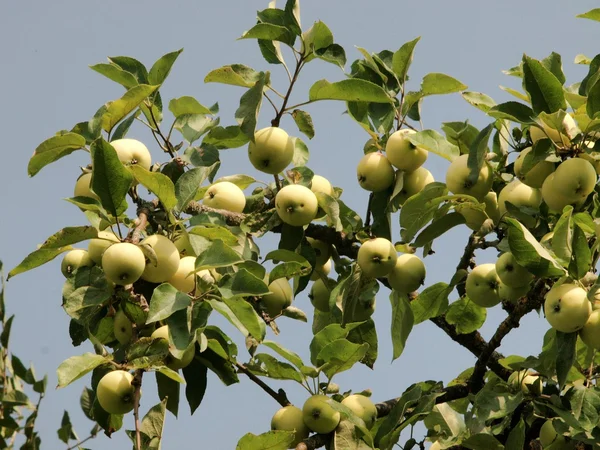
{"type": "Point", "coordinates": [563, 138]}
{"type": "Point", "coordinates": [75, 259]}
{"type": "Point", "coordinates": [322, 250]}
{"type": "Point", "coordinates": [555, 198]}
{"type": "Point", "coordinates": [483, 285]}
{"type": "Point", "coordinates": [408, 274]}
{"type": "Point", "coordinates": [290, 418]}
{"type": "Point", "coordinates": [183, 244]}
{"type": "Point", "coordinates": [457, 179]}
{"type": "Point", "coordinates": [272, 150]}
{"type": "Point", "coordinates": [115, 392]}
{"type": "Point", "coordinates": [537, 174]}
{"type": "Point", "coordinates": [511, 272]}
{"type": "Point", "coordinates": [184, 279]}
{"type": "Point", "coordinates": [296, 205]}
{"type": "Point", "coordinates": [575, 178]}
{"type": "Point", "coordinates": [374, 172]}
{"type": "Point", "coordinates": [474, 217]}
{"type": "Point", "coordinates": [123, 263]}
{"type": "Point", "coordinates": [362, 407]}
{"type": "Point", "coordinates": [527, 382]}
{"type": "Point", "coordinates": [402, 153]}
{"type": "Point", "coordinates": [132, 151]}
{"type": "Point", "coordinates": [98, 246]}
{"type": "Point", "coordinates": [319, 295]}
{"type": "Point", "coordinates": [122, 327]}
{"type": "Point", "coordinates": [225, 195]}
{"type": "Point", "coordinates": [320, 271]}
{"type": "Point", "coordinates": [280, 297]}
{"type": "Point", "coordinates": [512, 294]}
{"type": "Point", "coordinates": [519, 194]}
{"type": "Point", "coordinates": [170, 361]}
{"type": "Point", "coordinates": [376, 257]}
{"type": "Point", "coordinates": [414, 182]}
{"type": "Point", "coordinates": [321, 184]}
{"type": "Point", "coordinates": [83, 187]}
{"type": "Point", "coordinates": [319, 416]}
{"type": "Point", "coordinates": [550, 439]}
{"type": "Point", "coordinates": [590, 333]}
{"type": "Point", "coordinates": [567, 307]}
{"type": "Point", "coordinates": [167, 259]}
{"type": "Point", "coordinates": [491, 206]}
{"type": "Point", "coordinates": [363, 309]}
{"type": "Point", "coordinates": [593, 161]}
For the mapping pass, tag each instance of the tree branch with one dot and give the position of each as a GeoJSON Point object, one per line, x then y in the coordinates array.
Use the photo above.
{"type": "Point", "coordinates": [277, 119]}
{"type": "Point", "coordinates": [279, 396]}
{"type": "Point", "coordinates": [137, 381]}
{"type": "Point", "coordinates": [142, 223]}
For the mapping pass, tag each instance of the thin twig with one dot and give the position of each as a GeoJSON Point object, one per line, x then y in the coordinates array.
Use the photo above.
{"type": "Point", "coordinates": [368, 216]}
{"type": "Point", "coordinates": [90, 437]}
{"type": "Point", "coordinates": [277, 182]}
{"type": "Point", "coordinates": [294, 78]}
{"type": "Point", "coordinates": [136, 407]}
{"type": "Point", "coordinates": [280, 396]}
{"type": "Point", "coordinates": [168, 147]}
{"type": "Point", "coordinates": [271, 102]}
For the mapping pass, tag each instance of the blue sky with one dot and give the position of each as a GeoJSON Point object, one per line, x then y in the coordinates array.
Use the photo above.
{"type": "Point", "coordinates": [46, 49]}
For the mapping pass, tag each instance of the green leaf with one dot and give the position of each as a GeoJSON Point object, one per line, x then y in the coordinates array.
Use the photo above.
{"type": "Point", "coordinates": [434, 142]}
{"type": "Point", "coordinates": [196, 381]}
{"type": "Point", "coordinates": [217, 255]}
{"type": "Point", "coordinates": [402, 322]}
{"type": "Point", "coordinates": [131, 65]}
{"type": "Point", "coordinates": [193, 126]}
{"type": "Point", "coordinates": [403, 58]}
{"type": "Point", "coordinates": [214, 232]}
{"type": "Point", "coordinates": [304, 122]}
{"type": "Point", "coordinates": [276, 369]}
{"type": "Point", "coordinates": [585, 404]}
{"type": "Point", "coordinates": [242, 284]}
{"type": "Point", "coordinates": [187, 186]}
{"type": "Point", "coordinates": [247, 316]}
{"type": "Point", "coordinates": [593, 100]}
{"type": "Point", "coordinates": [157, 183]}
{"type": "Point", "coordinates": [440, 83]}
{"type": "Point", "coordinates": [565, 355]}
{"type": "Point", "coordinates": [36, 259]}
{"type": "Point", "coordinates": [270, 32]}
{"type": "Point", "coordinates": [553, 63]}
{"type": "Point", "coordinates": [223, 138]}
{"type": "Point", "coordinates": [466, 316]}
{"type": "Point", "coordinates": [328, 334]}
{"type": "Point", "coordinates": [53, 149]}
{"type": "Point", "coordinates": [187, 105]}
{"type": "Point", "coordinates": [478, 152]}
{"type": "Point", "coordinates": [153, 422]}
{"type": "Point", "coordinates": [165, 301]}
{"type": "Point", "coordinates": [479, 100]}
{"type": "Point", "coordinates": [161, 68]}
{"type": "Point", "coordinates": [118, 109]}
{"type": "Point", "coordinates": [68, 236]}
{"type": "Point", "coordinates": [340, 355]}
{"type": "Point", "coordinates": [514, 111]}
{"type": "Point", "coordinates": [543, 87]}
{"type": "Point", "coordinates": [432, 302]}
{"type": "Point", "coordinates": [437, 228]}
{"type": "Point", "coordinates": [271, 440]}
{"type": "Point", "coordinates": [581, 261]}
{"type": "Point", "coordinates": [334, 54]}
{"type": "Point", "coordinates": [247, 113]}
{"type": "Point", "coordinates": [516, 437]}
{"type": "Point", "coordinates": [350, 90]}
{"type": "Point", "coordinates": [168, 391]}
{"type": "Point", "coordinates": [110, 179]}
{"type": "Point", "coordinates": [147, 352]}
{"type": "Point", "coordinates": [482, 441]}
{"type": "Point", "coordinates": [366, 333]}
{"type": "Point", "coordinates": [77, 366]}
{"type": "Point", "coordinates": [285, 353]}
{"type": "Point", "coordinates": [122, 129]}
{"type": "Point", "coordinates": [419, 209]}
{"type": "Point", "coordinates": [593, 14]}
{"type": "Point", "coordinates": [115, 73]}
{"type": "Point", "coordinates": [235, 74]}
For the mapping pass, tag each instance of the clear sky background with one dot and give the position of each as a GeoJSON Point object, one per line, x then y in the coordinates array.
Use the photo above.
{"type": "Point", "coordinates": [46, 48]}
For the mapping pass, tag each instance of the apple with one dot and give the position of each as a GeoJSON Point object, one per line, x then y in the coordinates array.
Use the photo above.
{"type": "Point", "coordinates": [590, 333]}
{"type": "Point", "coordinates": [132, 151]}
{"type": "Point", "coordinates": [510, 293]}
{"type": "Point", "coordinates": [567, 307]}
{"type": "Point", "coordinates": [83, 187]}
{"type": "Point", "coordinates": [537, 174]}
{"type": "Point", "coordinates": [98, 246]}
{"type": "Point", "coordinates": [435, 446]}
{"type": "Point", "coordinates": [511, 272]}
{"type": "Point", "coordinates": [122, 327]}
{"type": "Point", "coordinates": [362, 407]}
{"type": "Point", "coordinates": [414, 182]}
{"type": "Point", "coordinates": [321, 184]}
{"type": "Point", "coordinates": [523, 379]}
{"type": "Point", "coordinates": [376, 257]}
{"type": "Point", "coordinates": [320, 271]}
{"type": "Point", "coordinates": [296, 205]}
{"type": "Point", "coordinates": [170, 361]}
{"type": "Point", "coordinates": [167, 257]}
{"type": "Point", "coordinates": [545, 132]}
{"type": "Point", "coordinates": [402, 153]}
{"type": "Point", "coordinates": [374, 172]}
{"type": "Point", "coordinates": [519, 194]}
{"type": "Point", "coordinates": [115, 392]}
{"type": "Point", "coordinates": [555, 198]}
{"type": "Point", "coordinates": [280, 297]}
{"type": "Point", "coordinates": [474, 217]}
{"type": "Point", "coordinates": [457, 179]}
{"type": "Point", "coordinates": [319, 295]}
{"type": "Point", "coordinates": [575, 178]}
{"type": "Point", "coordinates": [225, 195]}
{"type": "Point", "coordinates": [75, 259]}
{"type": "Point", "coordinates": [289, 418]}
{"type": "Point", "coordinates": [595, 162]}
{"type": "Point", "coordinates": [408, 274]}
{"type": "Point", "coordinates": [184, 279]}
{"type": "Point", "coordinates": [483, 285]}
{"type": "Point", "coordinates": [183, 244]}
{"type": "Point", "coordinates": [272, 150]}
{"type": "Point", "coordinates": [319, 416]}
{"type": "Point", "coordinates": [322, 250]}
{"type": "Point", "coordinates": [550, 439]}
{"type": "Point", "coordinates": [363, 309]}
{"type": "Point", "coordinates": [123, 263]}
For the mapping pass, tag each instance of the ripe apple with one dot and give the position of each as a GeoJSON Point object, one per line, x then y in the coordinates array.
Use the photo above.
{"type": "Point", "coordinates": [483, 285]}
{"type": "Point", "coordinates": [321, 184]}
{"type": "Point", "coordinates": [537, 174]}
{"type": "Point", "coordinates": [575, 178]}
{"type": "Point", "coordinates": [570, 128]}
{"type": "Point", "coordinates": [404, 154]}
{"type": "Point", "coordinates": [280, 297]}
{"type": "Point", "coordinates": [75, 259]}
{"type": "Point", "coordinates": [550, 439]}
{"type": "Point", "coordinates": [167, 257]}
{"type": "Point", "coordinates": [170, 361]}
{"type": "Point", "coordinates": [374, 172]}
{"type": "Point", "coordinates": [511, 272]}
{"type": "Point", "coordinates": [322, 250]}
{"type": "Point", "coordinates": [98, 246]}
{"type": "Point", "coordinates": [184, 280]}
{"type": "Point", "coordinates": [567, 307]}
{"type": "Point", "coordinates": [123, 263]}
{"type": "Point", "coordinates": [319, 295]}
{"type": "Point", "coordinates": [414, 182]}
{"type": "Point", "coordinates": [115, 392]}
{"type": "Point", "coordinates": [272, 150]}
{"type": "Point", "coordinates": [296, 205]}
{"type": "Point", "coordinates": [555, 198]}
{"type": "Point", "coordinates": [363, 407]}
{"type": "Point", "coordinates": [132, 151]}
{"type": "Point", "coordinates": [519, 194]}
{"type": "Point", "coordinates": [122, 327]}
{"type": "Point", "coordinates": [362, 310]}
{"type": "Point", "coordinates": [590, 333]}
{"type": "Point", "coordinates": [319, 271]}
{"type": "Point", "coordinates": [457, 179]}
{"type": "Point", "coordinates": [376, 257]}
{"type": "Point", "coordinates": [225, 195]}
{"type": "Point", "coordinates": [83, 187]}
{"type": "Point", "coordinates": [522, 379]}
{"type": "Point", "coordinates": [319, 416]}
{"type": "Point", "coordinates": [289, 418]}
{"type": "Point", "coordinates": [408, 274]}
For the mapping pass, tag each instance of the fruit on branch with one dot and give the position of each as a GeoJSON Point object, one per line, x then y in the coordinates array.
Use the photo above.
{"type": "Point", "coordinates": [593, 161]}
{"type": "Point", "coordinates": [376, 257]}
{"type": "Point", "coordinates": [115, 392]}
{"type": "Point", "coordinates": [83, 187]}
{"type": "Point", "coordinates": [98, 246]}
{"type": "Point", "coordinates": [511, 272]}
{"type": "Point", "coordinates": [289, 418]}
{"type": "Point", "coordinates": [183, 244]}
{"type": "Point", "coordinates": [73, 260]}
{"type": "Point", "coordinates": [319, 416]}
{"type": "Point", "coordinates": [123, 263]}
{"type": "Point", "coordinates": [575, 178]}
{"type": "Point", "coordinates": [296, 205]}
{"type": "Point", "coordinates": [363, 407]}
{"type": "Point", "coordinates": [483, 284]}
{"type": "Point", "coordinates": [408, 274]}
{"type": "Point", "coordinates": [170, 361]}
{"type": "Point", "coordinates": [280, 297]}
{"type": "Point", "coordinates": [272, 150]}
{"type": "Point", "coordinates": [363, 309]}
{"type": "Point", "coordinates": [563, 138]}
{"type": "Point", "coordinates": [550, 439]}
{"type": "Point", "coordinates": [474, 217]}
{"type": "Point", "coordinates": [132, 151]}
{"type": "Point", "coordinates": [374, 172]}
{"type": "Point", "coordinates": [225, 195]}
{"type": "Point", "coordinates": [536, 175]}
{"type": "Point", "coordinates": [567, 307]}
{"type": "Point", "coordinates": [590, 333]}
{"type": "Point", "coordinates": [322, 250]}
{"type": "Point", "coordinates": [321, 184]}
{"type": "Point", "coordinates": [554, 196]}
{"type": "Point", "coordinates": [457, 179]}
{"type": "Point", "coordinates": [520, 195]}
{"type": "Point", "coordinates": [184, 279]}
{"type": "Point", "coordinates": [167, 259]}
{"type": "Point", "coordinates": [414, 182]}
{"type": "Point", "coordinates": [319, 295]}
{"type": "Point", "coordinates": [402, 153]}
{"type": "Point", "coordinates": [122, 327]}
{"type": "Point", "coordinates": [435, 446]}
{"type": "Point", "coordinates": [322, 270]}
{"type": "Point", "coordinates": [527, 382]}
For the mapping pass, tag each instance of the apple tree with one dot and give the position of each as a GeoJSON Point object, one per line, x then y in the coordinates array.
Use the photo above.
{"type": "Point", "coordinates": [172, 243]}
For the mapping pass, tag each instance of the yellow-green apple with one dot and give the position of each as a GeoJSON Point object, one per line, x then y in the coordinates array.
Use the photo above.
{"type": "Point", "coordinates": [75, 259]}
{"type": "Point", "coordinates": [408, 274]}
{"type": "Point", "coordinates": [272, 150]}
{"type": "Point", "coordinates": [457, 179]}
{"type": "Point", "coordinates": [132, 151]}
{"type": "Point", "coordinates": [279, 298]}
{"type": "Point", "coordinates": [362, 407]}
{"type": "Point", "coordinates": [474, 217]}
{"type": "Point", "coordinates": [225, 195]}
{"type": "Point", "coordinates": [320, 271]}
{"type": "Point", "coordinates": [435, 446]}
{"type": "Point", "coordinates": [376, 257]}
{"type": "Point", "coordinates": [526, 381]}
{"type": "Point", "coordinates": [562, 138]}
{"type": "Point", "coordinates": [170, 361]}
{"type": "Point", "coordinates": [537, 174]}
{"type": "Point", "coordinates": [98, 246]}
{"type": "Point", "coordinates": [183, 244]}
{"type": "Point", "coordinates": [567, 307]}
{"type": "Point", "coordinates": [575, 178]}
{"type": "Point", "coordinates": [511, 272]}
{"type": "Point", "coordinates": [322, 250]}
{"type": "Point", "coordinates": [483, 285]}
{"type": "Point", "coordinates": [590, 333]}
{"type": "Point", "coordinates": [115, 392]}
{"type": "Point", "coordinates": [184, 279]}
{"type": "Point", "coordinates": [289, 418]}
{"type": "Point", "coordinates": [319, 416]}
{"type": "Point", "coordinates": [550, 439]}
{"type": "Point", "coordinates": [593, 161]}
{"type": "Point", "coordinates": [519, 194]}
{"type": "Point", "coordinates": [123, 263]}
{"type": "Point", "coordinates": [374, 172]}
{"type": "Point", "coordinates": [363, 309]}
{"type": "Point", "coordinates": [296, 205]}
{"type": "Point", "coordinates": [404, 154]}
{"type": "Point", "coordinates": [512, 294]}
{"type": "Point", "coordinates": [554, 197]}
{"type": "Point", "coordinates": [414, 182]}
{"type": "Point", "coordinates": [167, 259]}
{"type": "Point", "coordinates": [319, 295]}
{"type": "Point", "coordinates": [321, 184]}
{"type": "Point", "coordinates": [122, 327]}
{"type": "Point", "coordinates": [83, 187]}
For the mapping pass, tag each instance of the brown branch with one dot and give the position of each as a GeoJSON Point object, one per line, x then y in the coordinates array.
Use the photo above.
{"type": "Point", "coordinates": [168, 147]}
{"type": "Point", "coordinates": [277, 119]}
{"type": "Point", "coordinates": [231, 218]}
{"type": "Point", "coordinates": [368, 215]}
{"type": "Point", "coordinates": [279, 396]}
{"type": "Point", "coordinates": [314, 442]}
{"type": "Point", "coordinates": [137, 382]}
{"type": "Point", "coordinates": [142, 223]}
